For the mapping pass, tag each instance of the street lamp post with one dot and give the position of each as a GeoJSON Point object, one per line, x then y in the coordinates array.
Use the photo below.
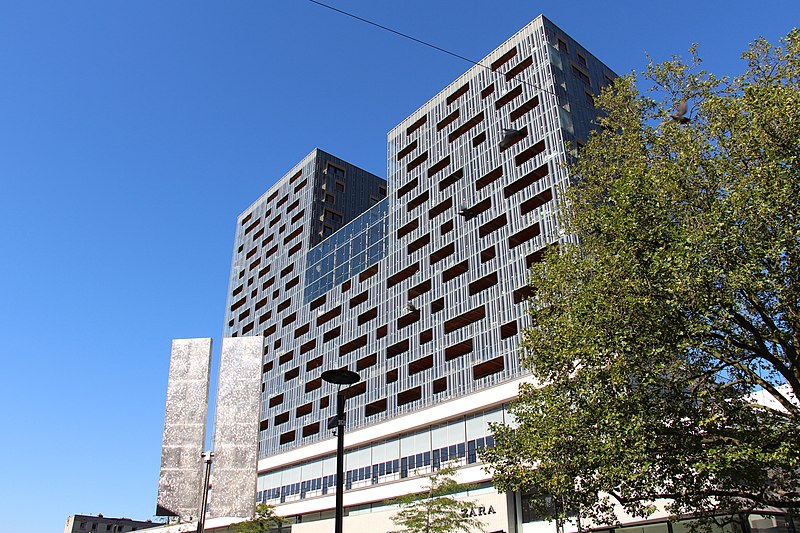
{"type": "Point", "coordinates": [201, 522]}
{"type": "Point", "coordinates": [340, 377]}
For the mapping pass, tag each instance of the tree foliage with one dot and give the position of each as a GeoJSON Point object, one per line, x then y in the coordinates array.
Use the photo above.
{"type": "Point", "coordinates": [675, 299]}
{"type": "Point", "coordinates": [264, 521]}
{"type": "Point", "coordinates": [435, 510]}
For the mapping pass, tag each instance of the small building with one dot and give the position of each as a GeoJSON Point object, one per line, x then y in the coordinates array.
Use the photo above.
{"type": "Point", "coordinates": [81, 523]}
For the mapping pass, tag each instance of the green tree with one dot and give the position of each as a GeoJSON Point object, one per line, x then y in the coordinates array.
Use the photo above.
{"type": "Point", "coordinates": [435, 510]}
{"type": "Point", "coordinates": [264, 521]}
{"type": "Point", "coordinates": [673, 297]}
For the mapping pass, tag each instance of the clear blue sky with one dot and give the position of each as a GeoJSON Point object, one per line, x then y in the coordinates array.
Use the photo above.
{"type": "Point", "coordinates": [131, 135]}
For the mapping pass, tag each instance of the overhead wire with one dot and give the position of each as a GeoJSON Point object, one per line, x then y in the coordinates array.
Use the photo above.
{"type": "Point", "coordinates": [440, 49]}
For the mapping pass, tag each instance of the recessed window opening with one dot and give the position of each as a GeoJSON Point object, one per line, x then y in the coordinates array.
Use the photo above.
{"type": "Point", "coordinates": [488, 368]}
{"type": "Point", "coordinates": [418, 244]}
{"type": "Point", "coordinates": [529, 153]}
{"type": "Point", "coordinates": [446, 121]}
{"type": "Point", "coordinates": [481, 284]}
{"type": "Point", "coordinates": [489, 178]}
{"type": "Point", "coordinates": [407, 228]}
{"type": "Point", "coordinates": [417, 125]}
{"type": "Point", "coordinates": [455, 271]}
{"type": "Point", "coordinates": [457, 350]}
{"type": "Point", "coordinates": [523, 236]}
{"type": "Point", "coordinates": [508, 97]}
{"type": "Point", "coordinates": [352, 346]}
{"type": "Point", "coordinates": [457, 93]}
{"type": "Point", "coordinates": [452, 179]}
{"type": "Point", "coordinates": [466, 127]}
{"type": "Point", "coordinates": [465, 319]}
{"type": "Point", "coordinates": [503, 59]}
{"type": "Point", "coordinates": [418, 201]}
{"type": "Point", "coordinates": [417, 161]}
{"type": "Point", "coordinates": [407, 150]}
{"type": "Point", "coordinates": [492, 226]}
{"type": "Point", "coordinates": [397, 348]}
{"type": "Point", "coordinates": [518, 68]}
{"type": "Point", "coordinates": [438, 167]}
{"type": "Point", "coordinates": [407, 188]}
{"type": "Point", "coordinates": [537, 201]}
{"type": "Point", "coordinates": [420, 365]}
{"type": "Point", "coordinates": [408, 396]}
{"type": "Point", "coordinates": [524, 108]}
{"type": "Point", "coordinates": [440, 208]}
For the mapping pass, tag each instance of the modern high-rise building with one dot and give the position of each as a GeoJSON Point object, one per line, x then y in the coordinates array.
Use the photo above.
{"type": "Point", "coordinates": [418, 283]}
